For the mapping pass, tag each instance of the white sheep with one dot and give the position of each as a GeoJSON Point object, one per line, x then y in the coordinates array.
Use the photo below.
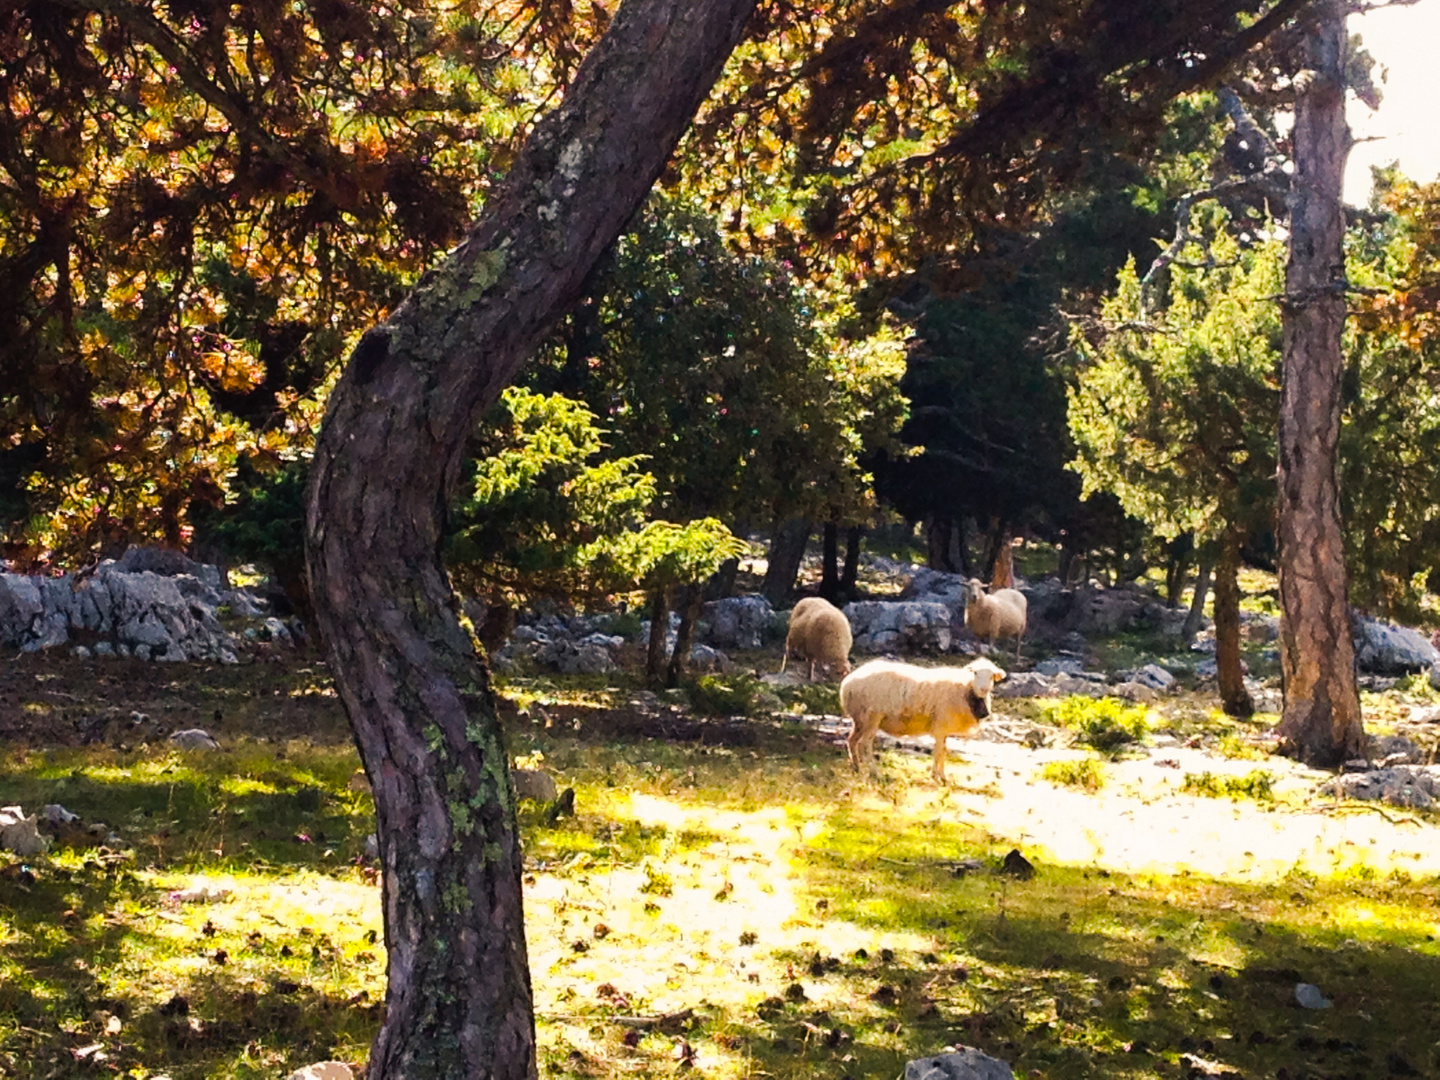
{"type": "Point", "coordinates": [902, 699]}
{"type": "Point", "coordinates": [820, 633]}
{"type": "Point", "coordinates": [1000, 614]}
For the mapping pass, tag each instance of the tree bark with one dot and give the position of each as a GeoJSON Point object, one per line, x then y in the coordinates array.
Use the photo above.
{"type": "Point", "coordinates": [939, 533]}
{"type": "Point", "coordinates": [829, 561]}
{"type": "Point", "coordinates": [1229, 669]}
{"type": "Point", "coordinates": [1197, 602]}
{"type": "Point", "coordinates": [1321, 724]}
{"type": "Point", "coordinates": [687, 600]}
{"type": "Point", "coordinates": [389, 457]}
{"type": "Point", "coordinates": [1177, 567]}
{"type": "Point", "coordinates": [850, 573]}
{"type": "Point", "coordinates": [655, 652]}
{"type": "Point", "coordinates": [787, 550]}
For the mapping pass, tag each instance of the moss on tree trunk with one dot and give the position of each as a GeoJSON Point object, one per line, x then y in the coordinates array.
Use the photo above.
{"type": "Point", "coordinates": [458, 1000]}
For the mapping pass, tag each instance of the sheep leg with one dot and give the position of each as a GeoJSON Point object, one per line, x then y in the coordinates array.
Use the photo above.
{"type": "Point", "coordinates": [812, 670]}
{"type": "Point", "coordinates": [784, 659]}
{"type": "Point", "coordinates": [937, 766]}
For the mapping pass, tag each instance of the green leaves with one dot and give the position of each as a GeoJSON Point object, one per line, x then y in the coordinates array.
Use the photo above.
{"type": "Point", "coordinates": [546, 513]}
{"type": "Point", "coordinates": [1174, 411]}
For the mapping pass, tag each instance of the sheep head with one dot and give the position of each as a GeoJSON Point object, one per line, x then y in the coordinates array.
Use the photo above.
{"type": "Point", "coordinates": [983, 675]}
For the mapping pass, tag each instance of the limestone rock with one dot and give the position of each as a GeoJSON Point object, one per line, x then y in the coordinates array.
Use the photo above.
{"type": "Point", "coordinates": [1023, 684]}
{"type": "Point", "coordinates": [19, 834]}
{"type": "Point", "coordinates": [194, 739]}
{"type": "Point", "coordinates": [965, 1063]}
{"type": "Point", "coordinates": [534, 784]}
{"type": "Point", "coordinates": [738, 622]}
{"type": "Point", "coordinates": [1385, 649]}
{"type": "Point", "coordinates": [901, 626]}
{"type": "Point", "coordinates": [323, 1070]}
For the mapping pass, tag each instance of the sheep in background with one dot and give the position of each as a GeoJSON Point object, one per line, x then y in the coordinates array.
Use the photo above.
{"type": "Point", "coordinates": [902, 699]}
{"type": "Point", "coordinates": [1000, 614]}
{"type": "Point", "coordinates": [820, 633]}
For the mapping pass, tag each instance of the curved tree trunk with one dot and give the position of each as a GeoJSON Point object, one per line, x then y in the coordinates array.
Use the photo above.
{"type": "Point", "coordinates": [1321, 723]}
{"type": "Point", "coordinates": [1229, 669]}
{"type": "Point", "coordinates": [458, 1000]}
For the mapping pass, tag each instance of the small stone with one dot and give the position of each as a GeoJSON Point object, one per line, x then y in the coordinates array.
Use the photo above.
{"type": "Point", "coordinates": [19, 834]}
{"type": "Point", "coordinates": [80, 652]}
{"type": "Point", "coordinates": [194, 739]}
{"type": "Point", "coordinates": [1017, 866]}
{"type": "Point", "coordinates": [1308, 996]}
{"type": "Point", "coordinates": [534, 784]}
{"type": "Point", "coordinates": [323, 1070]}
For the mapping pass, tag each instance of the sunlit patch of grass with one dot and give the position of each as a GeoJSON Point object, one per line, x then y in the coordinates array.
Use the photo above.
{"type": "Point", "coordinates": [813, 923]}
{"type": "Point", "coordinates": [1258, 784]}
{"type": "Point", "coordinates": [1086, 773]}
{"type": "Point", "coordinates": [1237, 749]}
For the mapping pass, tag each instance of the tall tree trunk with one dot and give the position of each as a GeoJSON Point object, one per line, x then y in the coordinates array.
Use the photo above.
{"type": "Point", "coordinates": [1321, 723]}
{"type": "Point", "coordinates": [829, 561]}
{"type": "Point", "coordinates": [850, 573]}
{"type": "Point", "coordinates": [1197, 602]}
{"type": "Point", "coordinates": [995, 539]}
{"type": "Point", "coordinates": [687, 600]}
{"type": "Point", "coordinates": [389, 458]}
{"type": "Point", "coordinates": [1229, 671]}
{"type": "Point", "coordinates": [787, 550]}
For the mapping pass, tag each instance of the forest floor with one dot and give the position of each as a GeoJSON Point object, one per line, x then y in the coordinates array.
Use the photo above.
{"type": "Point", "coordinates": [729, 899]}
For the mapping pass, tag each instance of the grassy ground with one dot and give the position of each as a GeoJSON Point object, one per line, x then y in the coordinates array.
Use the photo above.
{"type": "Point", "coordinates": [728, 900]}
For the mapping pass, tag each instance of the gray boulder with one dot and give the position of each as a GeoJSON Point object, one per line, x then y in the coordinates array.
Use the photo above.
{"type": "Point", "coordinates": [570, 658]}
{"type": "Point", "coordinates": [900, 626]}
{"type": "Point", "coordinates": [1108, 611]}
{"type": "Point", "coordinates": [1023, 684]}
{"type": "Point", "coordinates": [1060, 665]}
{"type": "Point", "coordinates": [705, 659]}
{"type": "Point", "coordinates": [534, 784]}
{"type": "Point", "coordinates": [1386, 649]}
{"type": "Point", "coordinates": [737, 622]}
{"type": "Point", "coordinates": [965, 1063]}
{"type": "Point", "coordinates": [938, 587]}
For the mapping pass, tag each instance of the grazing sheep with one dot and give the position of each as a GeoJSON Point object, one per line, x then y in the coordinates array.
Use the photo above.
{"type": "Point", "coordinates": [819, 633]}
{"type": "Point", "coordinates": [902, 699]}
{"type": "Point", "coordinates": [1000, 614]}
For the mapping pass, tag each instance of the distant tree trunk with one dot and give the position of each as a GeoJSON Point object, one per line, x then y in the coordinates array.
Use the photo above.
{"type": "Point", "coordinates": [939, 536]}
{"type": "Point", "coordinates": [722, 582]}
{"type": "Point", "coordinates": [499, 624]}
{"type": "Point", "coordinates": [1321, 724]}
{"type": "Point", "coordinates": [1003, 577]}
{"type": "Point", "coordinates": [829, 561]}
{"type": "Point", "coordinates": [850, 573]}
{"type": "Point", "coordinates": [995, 539]}
{"type": "Point", "coordinates": [655, 652]}
{"type": "Point", "coordinates": [687, 601]}
{"type": "Point", "coordinates": [1197, 603]}
{"type": "Point", "coordinates": [1179, 551]}
{"type": "Point", "coordinates": [1068, 558]}
{"type": "Point", "coordinates": [391, 455]}
{"type": "Point", "coordinates": [1234, 698]}
{"type": "Point", "coordinates": [787, 551]}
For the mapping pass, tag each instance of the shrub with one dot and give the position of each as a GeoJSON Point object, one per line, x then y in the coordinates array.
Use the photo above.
{"type": "Point", "coordinates": [1257, 784]}
{"type": "Point", "coordinates": [1086, 773]}
{"type": "Point", "coordinates": [715, 695]}
{"type": "Point", "coordinates": [1106, 723]}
